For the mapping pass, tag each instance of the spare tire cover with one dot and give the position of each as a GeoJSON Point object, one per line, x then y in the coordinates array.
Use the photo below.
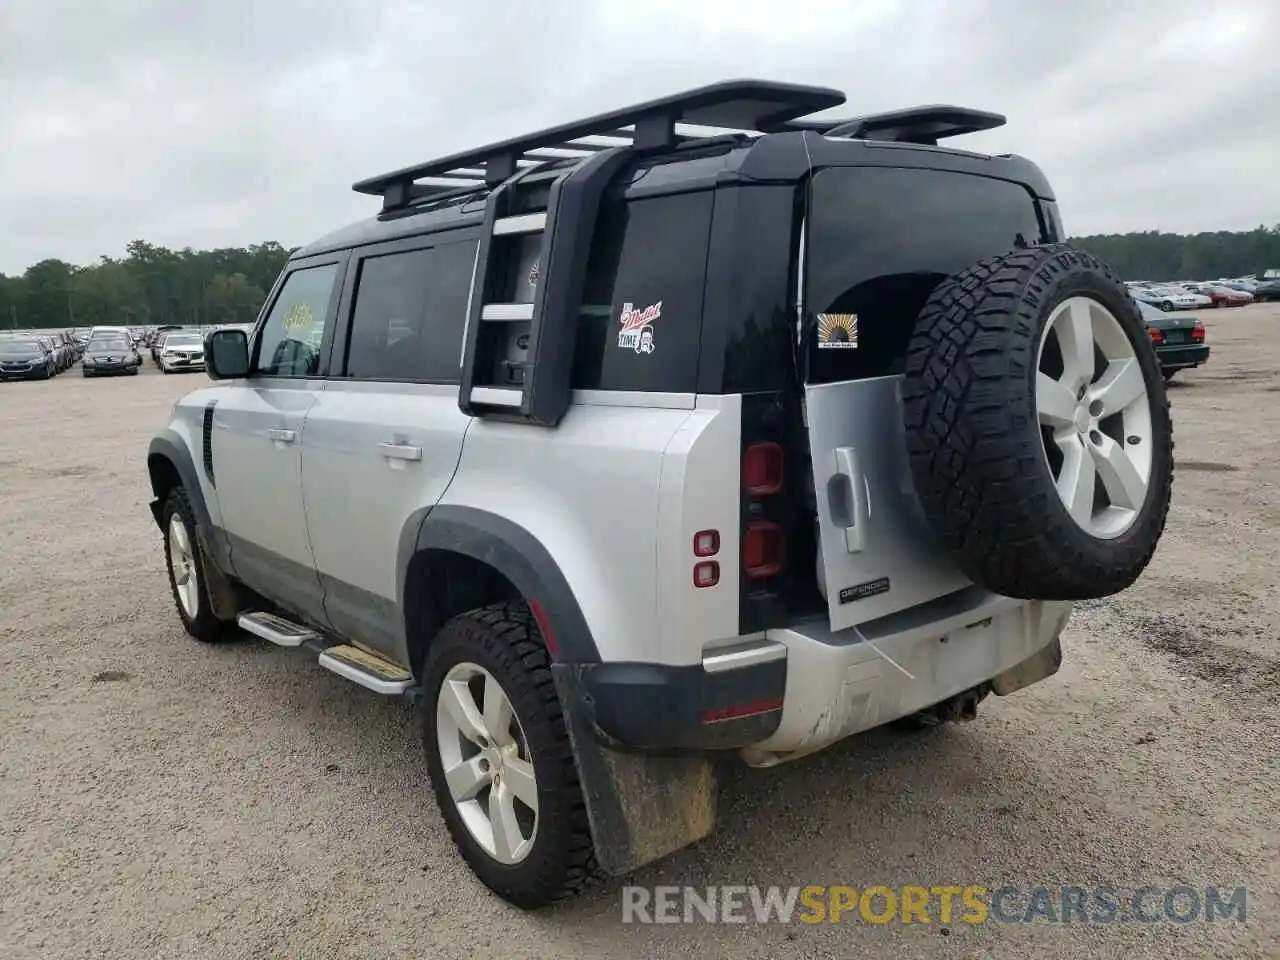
{"type": "Point", "coordinates": [1038, 425]}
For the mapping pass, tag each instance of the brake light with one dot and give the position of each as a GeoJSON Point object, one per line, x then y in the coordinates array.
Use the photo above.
{"type": "Point", "coordinates": [762, 471]}
{"type": "Point", "coordinates": [1157, 336]}
{"type": "Point", "coordinates": [1197, 333]}
{"type": "Point", "coordinates": [763, 550]}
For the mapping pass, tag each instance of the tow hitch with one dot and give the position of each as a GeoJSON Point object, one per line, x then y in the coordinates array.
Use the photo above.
{"type": "Point", "coordinates": [960, 708]}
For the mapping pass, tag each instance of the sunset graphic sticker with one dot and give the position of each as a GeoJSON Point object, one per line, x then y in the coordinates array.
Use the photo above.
{"type": "Point", "coordinates": [838, 331]}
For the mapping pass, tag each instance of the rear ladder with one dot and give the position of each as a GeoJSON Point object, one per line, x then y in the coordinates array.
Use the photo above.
{"type": "Point", "coordinates": [518, 351]}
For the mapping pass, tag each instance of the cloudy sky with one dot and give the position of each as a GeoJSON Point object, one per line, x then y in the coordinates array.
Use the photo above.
{"type": "Point", "coordinates": [201, 123]}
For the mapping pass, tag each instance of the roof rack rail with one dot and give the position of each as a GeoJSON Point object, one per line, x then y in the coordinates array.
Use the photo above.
{"type": "Point", "coordinates": [736, 105]}
{"type": "Point", "coordinates": [924, 125]}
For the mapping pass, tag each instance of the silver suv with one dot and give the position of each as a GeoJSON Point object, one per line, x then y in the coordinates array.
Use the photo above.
{"type": "Point", "coordinates": [695, 429]}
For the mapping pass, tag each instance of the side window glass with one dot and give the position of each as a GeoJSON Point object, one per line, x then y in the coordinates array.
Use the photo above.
{"type": "Point", "coordinates": [289, 342]}
{"type": "Point", "coordinates": [409, 314]}
{"type": "Point", "coordinates": [641, 319]}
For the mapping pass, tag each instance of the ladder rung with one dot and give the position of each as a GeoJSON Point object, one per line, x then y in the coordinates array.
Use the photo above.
{"type": "Point", "coordinates": [496, 396]}
{"type": "Point", "coordinates": [524, 223]}
{"type": "Point", "coordinates": [504, 312]}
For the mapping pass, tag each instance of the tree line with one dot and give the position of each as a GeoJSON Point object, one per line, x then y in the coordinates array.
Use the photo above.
{"type": "Point", "coordinates": [149, 285]}
{"type": "Point", "coordinates": [153, 285]}
{"type": "Point", "coordinates": [1202, 256]}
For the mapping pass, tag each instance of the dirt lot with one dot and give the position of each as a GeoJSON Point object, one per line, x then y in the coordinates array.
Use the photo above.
{"type": "Point", "coordinates": [163, 799]}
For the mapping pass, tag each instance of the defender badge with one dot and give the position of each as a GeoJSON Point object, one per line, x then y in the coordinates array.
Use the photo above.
{"type": "Point", "coordinates": [637, 327]}
{"type": "Point", "coordinates": [837, 331]}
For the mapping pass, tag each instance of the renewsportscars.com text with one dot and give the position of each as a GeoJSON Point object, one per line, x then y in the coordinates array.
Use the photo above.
{"type": "Point", "coordinates": [940, 904]}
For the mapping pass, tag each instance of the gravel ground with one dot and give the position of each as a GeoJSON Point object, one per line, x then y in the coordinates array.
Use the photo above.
{"type": "Point", "coordinates": [159, 798]}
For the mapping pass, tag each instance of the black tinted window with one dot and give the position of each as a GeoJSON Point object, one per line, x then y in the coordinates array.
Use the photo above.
{"type": "Point", "coordinates": [642, 306]}
{"type": "Point", "coordinates": [289, 344]}
{"type": "Point", "coordinates": [409, 314]}
{"type": "Point", "coordinates": [879, 241]}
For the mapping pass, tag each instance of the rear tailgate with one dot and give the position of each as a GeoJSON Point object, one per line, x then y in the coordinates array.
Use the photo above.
{"type": "Point", "coordinates": [878, 242]}
{"type": "Point", "coordinates": [878, 554]}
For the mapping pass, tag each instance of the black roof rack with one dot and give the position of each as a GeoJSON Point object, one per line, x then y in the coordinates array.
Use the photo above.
{"type": "Point", "coordinates": [754, 105]}
{"type": "Point", "coordinates": [923, 125]}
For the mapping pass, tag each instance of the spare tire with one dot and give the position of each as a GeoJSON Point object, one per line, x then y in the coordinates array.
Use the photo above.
{"type": "Point", "coordinates": [1038, 426]}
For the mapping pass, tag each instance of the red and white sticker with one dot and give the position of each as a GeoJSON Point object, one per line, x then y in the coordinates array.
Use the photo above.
{"type": "Point", "coordinates": [637, 327]}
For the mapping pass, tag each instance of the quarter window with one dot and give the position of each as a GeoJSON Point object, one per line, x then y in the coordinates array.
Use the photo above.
{"type": "Point", "coordinates": [641, 318]}
{"type": "Point", "coordinates": [289, 344]}
{"type": "Point", "coordinates": [409, 314]}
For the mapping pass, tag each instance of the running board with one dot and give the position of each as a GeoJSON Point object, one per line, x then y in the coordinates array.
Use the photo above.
{"type": "Point", "coordinates": [367, 669]}
{"type": "Point", "coordinates": [277, 630]}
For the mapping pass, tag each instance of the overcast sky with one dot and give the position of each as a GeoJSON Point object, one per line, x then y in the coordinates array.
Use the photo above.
{"type": "Point", "coordinates": [226, 123]}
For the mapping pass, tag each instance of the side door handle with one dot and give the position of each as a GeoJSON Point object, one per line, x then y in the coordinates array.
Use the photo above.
{"type": "Point", "coordinates": [400, 451]}
{"type": "Point", "coordinates": [282, 436]}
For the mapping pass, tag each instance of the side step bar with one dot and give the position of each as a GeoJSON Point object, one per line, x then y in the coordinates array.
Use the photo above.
{"type": "Point", "coordinates": [277, 630]}
{"type": "Point", "coordinates": [352, 663]}
{"type": "Point", "coordinates": [367, 669]}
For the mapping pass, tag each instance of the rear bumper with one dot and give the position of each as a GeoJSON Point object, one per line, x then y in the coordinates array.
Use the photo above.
{"type": "Point", "coordinates": [1182, 357]}
{"type": "Point", "coordinates": [843, 683]}
{"type": "Point", "coordinates": [797, 690]}
{"type": "Point", "coordinates": [717, 705]}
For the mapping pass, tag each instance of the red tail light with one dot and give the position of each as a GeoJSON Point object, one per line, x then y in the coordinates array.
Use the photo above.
{"type": "Point", "coordinates": [1156, 335]}
{"type": "Point", "coordinates": [1197, 333]}
{"type": "Point", "coordinates": [762, 473]}
{"type": "Point", "coordinates": [763, 550]}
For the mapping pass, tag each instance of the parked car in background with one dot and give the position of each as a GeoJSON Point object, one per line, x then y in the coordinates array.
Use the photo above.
{"type": "Point", "coordinates": [1169, 298]}
{"type": "Point", "coordinates": [1267, 288]}
{"type": "Point", "coordinates": [1179, 342]}
{"type": "Point", "coordinates": [1224, 296]}
{"type": "Point", "coordinates": [25, 358]}
{"type": "Point", "coordinates": [110, 352]}
{"type": "Point", "coordinates": [181, 351]}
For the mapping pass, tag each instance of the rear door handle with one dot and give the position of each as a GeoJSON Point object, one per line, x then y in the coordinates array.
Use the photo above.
{"type": "Point", "coordinates": [282, 436]}
{"type": "Point", "coordinates": [400, 451]}
{"type": "Point", "coordinates": [848, 494]}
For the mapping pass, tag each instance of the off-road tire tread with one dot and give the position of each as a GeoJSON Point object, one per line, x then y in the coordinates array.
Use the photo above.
{"type": "Point", "coordinates": [973, 439]}
{"type": "Point", "coordinates": [508, 634]}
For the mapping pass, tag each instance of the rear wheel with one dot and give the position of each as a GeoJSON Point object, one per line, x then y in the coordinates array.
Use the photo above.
{"type": "Point", "coordinates": [1038, 427]}
{"type": "Point", "coordinates": [500, 760]}
{"type": "Point", "coordinates": [1167, 307]}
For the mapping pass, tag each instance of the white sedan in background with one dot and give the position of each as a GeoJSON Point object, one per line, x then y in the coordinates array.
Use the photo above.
{"type": "Point", "coordinates": [181, 351]}
{"type": "Point", "coordinates": [1171, 298]}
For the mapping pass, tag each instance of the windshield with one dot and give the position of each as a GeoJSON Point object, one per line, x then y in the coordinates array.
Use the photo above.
{"type": "Point", "coordinates": [19, 348]}
{"type": "Point", "coordinates": [112, 342]}
{"type": "Point", "coordinates": [186, 340]}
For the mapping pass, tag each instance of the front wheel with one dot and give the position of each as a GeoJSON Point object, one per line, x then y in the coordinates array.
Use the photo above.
{"type": "Point", "coordinates": [501, 764]}
{"type": "Point", "coordinates": [1167, 307]}
{"type": "Point", "coordinates": [185, 565]}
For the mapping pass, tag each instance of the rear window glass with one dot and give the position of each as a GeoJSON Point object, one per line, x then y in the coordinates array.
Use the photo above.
{"type": "Point", "coordinates": [879, 241]}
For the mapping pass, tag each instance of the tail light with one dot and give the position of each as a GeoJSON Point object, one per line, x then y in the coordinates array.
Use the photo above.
{"type": "Point", "coordinates": [1157, 336]}
{"type": "Point", "coordinates": [763, 550]}
{"type": "Point", "coordinates": [1197, 333]}
{"type": "Point", "coordinates": [762, 470]}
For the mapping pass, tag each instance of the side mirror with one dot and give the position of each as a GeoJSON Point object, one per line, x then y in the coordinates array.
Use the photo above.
{"type": "Point", "coordinates": [226, 354]}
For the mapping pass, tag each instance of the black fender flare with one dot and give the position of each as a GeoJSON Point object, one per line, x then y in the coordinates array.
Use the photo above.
{"type": "Point", "coordinates": [168, 445]}
{"type": "Point", "coordinates": [515, 553]}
